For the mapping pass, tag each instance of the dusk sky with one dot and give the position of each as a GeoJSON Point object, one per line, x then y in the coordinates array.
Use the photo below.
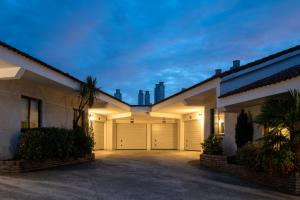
{"type": "Point", "coordinates": [133, 44]}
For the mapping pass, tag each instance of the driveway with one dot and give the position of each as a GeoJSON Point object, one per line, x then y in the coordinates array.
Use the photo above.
{"type": "Point", "coordinates": [133, 175]}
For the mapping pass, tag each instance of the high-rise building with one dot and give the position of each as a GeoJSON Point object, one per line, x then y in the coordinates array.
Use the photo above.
{"type": "Point", "coordinates": [156, 93]}
{"type": "Point", "coordinates": [141, 98]}
{"type": "Point", "coordinates": [118, 94]}
{"type": "Point", "coordinates": [159, 92]}
{"type": "Point", "coordinates": [147, 98]}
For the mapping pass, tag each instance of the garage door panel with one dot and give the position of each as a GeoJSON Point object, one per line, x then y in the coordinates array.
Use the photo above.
{"type": "Point", "coordinates": [164, 136]}
{"type": "Point", "coordinates": [193, 134]}
{"type": "Point", "coordinates": [98, 129]}
{"type": "Point", "coordinates": [131, 136]}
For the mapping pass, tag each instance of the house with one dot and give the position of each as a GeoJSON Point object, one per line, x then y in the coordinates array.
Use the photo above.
{"type": "Point", "coordinates": [35, 94]}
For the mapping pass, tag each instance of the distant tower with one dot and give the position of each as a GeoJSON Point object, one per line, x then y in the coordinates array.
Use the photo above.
{"type": "Point", "coordinates": [159, 92]}
{"type": "Point", "coordinates": [147, 98]}
{"type": "Point", "coordinates": [156, 93]}
{"type": "Point", "coordinates": [141, 98]}
{"type": "Point", "coordinates": [118, 94]}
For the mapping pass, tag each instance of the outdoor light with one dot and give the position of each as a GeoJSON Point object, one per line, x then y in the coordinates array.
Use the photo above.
{"type": "Point", "coordinates": [131, 120]}
{"type": "Point", "coordinates": [91, 117]}
{"type": "Point", "coordinates": [199, 116]}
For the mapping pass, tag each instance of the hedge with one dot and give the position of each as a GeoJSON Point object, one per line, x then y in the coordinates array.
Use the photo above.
{"type": "Point", "coordinates": [53, 143]}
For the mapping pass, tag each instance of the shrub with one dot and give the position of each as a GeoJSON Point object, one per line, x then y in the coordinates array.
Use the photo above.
{"type": "Point", "coordinates": [271, 153]}
{"type": "Point", "coordinates": [247, 155]}
{"type": "Point", "coordinates": [212, 145]}
{"type": "Point", "coordinates": [276, 154]}
{"type": "Point", "coordinates": [53, 143]}
{"type": "Point", "coordinates": [243, 130]}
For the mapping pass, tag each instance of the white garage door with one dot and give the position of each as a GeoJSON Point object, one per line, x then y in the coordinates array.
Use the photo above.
{"type": "Point", "coordinates": [164, 136]}
{"type": "Point", "coordinates": [98, 129]}
{"type": "Point", "coordinates": [193, 135]}
{"type": "Point", "coordinates": [131, 136]}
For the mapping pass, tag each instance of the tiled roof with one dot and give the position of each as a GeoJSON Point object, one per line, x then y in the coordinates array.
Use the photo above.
{"type": "Point", "coordinates": [275, 78]}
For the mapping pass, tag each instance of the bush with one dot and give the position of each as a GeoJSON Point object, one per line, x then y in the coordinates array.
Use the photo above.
{"type": "Point", "coordinates": [243, 130]}
{"type": "Point", "coordinates": [276, 154]}
{"type": "Point", "coordinates": [212, 146]}
{"type": "Point", "coordinates": [53, 143]}
{"type": "Point", "coordinates": [247, 155]}
{"type": "Point", "coordinates": [272, 153]}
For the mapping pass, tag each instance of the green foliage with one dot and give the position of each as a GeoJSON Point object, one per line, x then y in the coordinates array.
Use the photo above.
{"type": "Point", "coordinates": [243, 130]}
{"type": "Point", "coordinates": [53, 143]}
{"type": "Point", "coordinates": [247, 155]}
{"type": "Point", "coordinates": [282, 112]}
{"type": "Point", "coordinates": [212, 146]}
{"type": "Point", "coordinates": [271, 153]}
{"type": "Point", "coordinates": [275, 154]}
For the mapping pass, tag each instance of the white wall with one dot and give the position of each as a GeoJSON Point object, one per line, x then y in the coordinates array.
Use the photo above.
{"type": "Point", "coordinates": [57, 110]}
{"type": "Point", "coordinates": [229, 145]}
{"type": "Point", "coordinates": [258, 130]}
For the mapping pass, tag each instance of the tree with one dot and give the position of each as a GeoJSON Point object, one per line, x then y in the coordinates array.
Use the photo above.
{"type": "Point", "coordinates": [87, 93]}
{"type": "Point", "coordinates": [243, 130]}
{"type": "Point", "coordinates": [282, 112]}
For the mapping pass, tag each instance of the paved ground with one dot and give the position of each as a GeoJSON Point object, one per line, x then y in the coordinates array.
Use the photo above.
{"type": "Point", "coordinates": [133, 175]}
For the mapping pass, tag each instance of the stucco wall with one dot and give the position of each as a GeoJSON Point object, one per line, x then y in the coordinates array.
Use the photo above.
{"type": "Point", "coordinates": [257, 129]}
{"type": "Point", "coordinates": [57, 109]}
{"type": "Point", "coordinates": [229, 145]}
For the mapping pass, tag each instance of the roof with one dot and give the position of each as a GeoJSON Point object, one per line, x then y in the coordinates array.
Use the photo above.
{"type": "Point", "coordinates": [231, 71]}
{"type": "Point", "coordinates": [260, 61]}
{"type": "Point", "coordinates": [286, 74]}
{"type": "Point", "coordinates": [190, 88]}
{"type": "Point", "coordinates": [51, 67]}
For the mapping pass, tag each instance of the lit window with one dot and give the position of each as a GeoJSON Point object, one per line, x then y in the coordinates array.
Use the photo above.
{"type": "Point", "coordinates": [30, 113]}
{"type": "Point", "coordinates": [217, 122]}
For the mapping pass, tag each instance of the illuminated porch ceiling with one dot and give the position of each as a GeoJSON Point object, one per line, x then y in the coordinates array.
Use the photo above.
{"type": "Point", "coordinates": [9, 71]}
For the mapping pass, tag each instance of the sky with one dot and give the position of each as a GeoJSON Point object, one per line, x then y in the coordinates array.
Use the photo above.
{"type": "Point", "coordinates": [133, 44]}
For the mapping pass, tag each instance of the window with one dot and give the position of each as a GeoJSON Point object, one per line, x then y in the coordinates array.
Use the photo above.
{"type": "Point", "coordinates": [30, 112]}
{"type": "Point", "coordinates": [217, 122]}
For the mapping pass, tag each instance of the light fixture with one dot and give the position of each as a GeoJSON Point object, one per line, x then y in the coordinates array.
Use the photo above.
{"type": "Point", "coordinates": [199, 116]}
{"type": "Point", "coordinates": [91, 117]}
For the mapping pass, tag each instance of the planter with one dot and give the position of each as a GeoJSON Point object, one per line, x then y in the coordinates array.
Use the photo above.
{"type": "Point", "coordinates": [288, 184]}
{"type": "Point", "coordinates": [19, 166]}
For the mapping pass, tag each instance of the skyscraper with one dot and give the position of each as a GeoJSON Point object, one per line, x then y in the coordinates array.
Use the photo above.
{"type": "Point", "coordinates": [118, 94]}
{"type": "Point", "coordinates": [159, 92]}
{"type": "Point", "coordinates": [147, 98]}
{"type": "Point", "coordinates": [141, 98]}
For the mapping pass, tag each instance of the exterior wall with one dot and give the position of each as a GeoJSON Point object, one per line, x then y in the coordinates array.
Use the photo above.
{"type": "Point", "coordinates": [57, 110]}
{"type": "Point", "coordinates": [258, 130]}
{"type": "Point", "coordinates": [229, 145]}
{"type": "Point", "coordinates": [255, 73]}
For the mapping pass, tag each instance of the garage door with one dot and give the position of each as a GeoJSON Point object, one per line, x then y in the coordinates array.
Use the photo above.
{"type": "Point", "coordinates": [164, 136]}
{"type": "Point", "coordinates": [98, 128]}
{"type": "Point", "coordinates": [193, 135]}
{"type": "Point", "coordinates": [131, 136]}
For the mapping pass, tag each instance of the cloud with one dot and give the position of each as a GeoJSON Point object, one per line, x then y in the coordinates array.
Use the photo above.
{"type": "Point", "coordinates": [132, 44]}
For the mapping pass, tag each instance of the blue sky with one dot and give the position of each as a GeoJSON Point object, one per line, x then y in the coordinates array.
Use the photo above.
{"type": "Point", "coordinates": [133, 44]}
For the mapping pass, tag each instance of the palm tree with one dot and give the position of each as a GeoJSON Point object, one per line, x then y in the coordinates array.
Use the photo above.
{"type": "Point", "coordinates": [283, 112]}
{"type": "Point", "coordinates": [87, 93]}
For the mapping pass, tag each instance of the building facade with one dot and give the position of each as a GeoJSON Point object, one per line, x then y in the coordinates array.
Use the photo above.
{"type": "Point", "coordinates": [35, 94]}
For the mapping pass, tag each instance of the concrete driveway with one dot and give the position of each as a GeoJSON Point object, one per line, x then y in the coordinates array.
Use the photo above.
{"type": "Point", "coordinates": [133, 175]}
